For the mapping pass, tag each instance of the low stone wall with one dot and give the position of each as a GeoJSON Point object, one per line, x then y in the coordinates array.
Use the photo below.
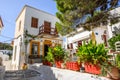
{"type": "Point", "coordinates": [52, 73]}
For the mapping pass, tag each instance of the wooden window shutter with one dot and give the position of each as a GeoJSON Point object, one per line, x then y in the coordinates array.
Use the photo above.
{"type": "Point", "coordinates": [105, 39]}
{"type": "Point", "coordinates": [79, 43]}
{"type": "Point", "coordinates": [68, 46]}
{"type": "Point", "coordinates": [34, 22]}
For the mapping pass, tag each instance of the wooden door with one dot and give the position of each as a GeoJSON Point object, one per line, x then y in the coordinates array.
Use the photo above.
{"type": "Point", "coordinates": [47, 27]}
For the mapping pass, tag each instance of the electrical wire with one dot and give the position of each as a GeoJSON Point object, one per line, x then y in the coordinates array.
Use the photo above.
{"type": "Point", "coordinates": [6, 36]}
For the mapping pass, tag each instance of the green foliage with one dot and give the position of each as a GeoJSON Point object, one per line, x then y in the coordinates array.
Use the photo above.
{"type": "Point", "coordinates": [114, 20]}
{"type": "Point", "coordinates": [58, 53]}
{"type": "Point", "coordinates": [93, 53]}
{"type": "Point", "coordinates": [113, 40]}
{"type": "Point", "coordinates": [5, 46]}
{"type": "Point", "coordinates": [117, 59]}
{"type": "Point", "coordinates": [71, 10]}
{"type": "Point", "coordinates": [97, 16]}
{"type": "Point", "coordinates": [29, 35]}
{"type": "Point", "coordinates": [49, 56]}
{"type": "Point", "coordinates": [55, 54]}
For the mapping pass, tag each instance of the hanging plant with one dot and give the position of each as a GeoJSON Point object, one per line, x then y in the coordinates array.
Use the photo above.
{"type": "Point", "coordinates": [30, 35]}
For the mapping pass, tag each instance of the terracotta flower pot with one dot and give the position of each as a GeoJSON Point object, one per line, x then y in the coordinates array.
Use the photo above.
{"type": "Point", "coordinates": [58, 64]}
{"type": "Point", "coordinates": [114, 73]}
{"type": "Point", "coordinates": [94, 69]}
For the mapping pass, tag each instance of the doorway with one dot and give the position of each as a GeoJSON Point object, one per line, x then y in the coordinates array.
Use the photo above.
{"type": "Point", "coordinates": [46, 46]}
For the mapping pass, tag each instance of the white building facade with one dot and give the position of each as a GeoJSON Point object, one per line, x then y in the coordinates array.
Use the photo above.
{"type": "Point", "coordinates": [1, 24]}
{"type": "Point", "coordinates": [102, 34]}
{"type": "Point", "coordinates": [114, 12]}
{"type": "Point", "coordinates": [37, 23]}
{"type": "Point", "coordinates": [72, 42]}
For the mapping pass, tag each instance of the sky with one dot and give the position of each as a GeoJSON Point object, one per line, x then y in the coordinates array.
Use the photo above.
{"type": "Point", "coordinates": [10, 9]}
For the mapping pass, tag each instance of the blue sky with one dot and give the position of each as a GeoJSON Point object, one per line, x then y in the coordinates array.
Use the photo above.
{"type": "Point", "coordinates": [9, 10]}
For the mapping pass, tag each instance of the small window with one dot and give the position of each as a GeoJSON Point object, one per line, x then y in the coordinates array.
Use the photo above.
{"type": "Point", "coordinates": [19, 25]}
{"type": "Point", "coordinates": [34, 49]}
{"type": "Point", "coordinates": [34, 22]}
{"type": "Point", "coordinates": [79, 43]}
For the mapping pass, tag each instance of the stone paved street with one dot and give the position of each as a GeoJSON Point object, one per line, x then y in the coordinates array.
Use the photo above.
{"type": "Point", "coordinates": [41, 72]}
{"type": "Point", "coordinates": [21, 75]}
{"type": "Point", "coordinates": [52, 73]}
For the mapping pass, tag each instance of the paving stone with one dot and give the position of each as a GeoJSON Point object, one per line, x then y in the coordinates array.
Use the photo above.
{"type": "Point", "coordinates": [21, 75]}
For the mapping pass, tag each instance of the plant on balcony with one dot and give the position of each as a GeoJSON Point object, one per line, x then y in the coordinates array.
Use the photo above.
{"type": "Point", "coordinates": [94, 55]}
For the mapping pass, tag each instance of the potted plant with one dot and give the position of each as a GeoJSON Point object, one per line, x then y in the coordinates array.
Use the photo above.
{"type": "Point", "coordinates": [93, 56]}
{"type": "Point", "coordinates": [114, 73]}
{"type": "Point", "coordinates": [56, 55]}
{"type": "Point", "coordinates": [49, 57]}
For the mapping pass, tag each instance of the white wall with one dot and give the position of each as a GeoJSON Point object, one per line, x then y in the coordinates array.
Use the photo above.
{"type": "Point", "coordinates": [79, 36]}
{"type": "Point", "coordinates": [100, 31]}
{"type": "Point", "coordinates": [15, 59]}
{"type": "Point", "coordinates": [115, 12]}
{"type": "Point", "coordinates": [21, 18]}
{"type": "Point", "coordinates": [42, 16]}
{"type": "Point", "coordinates": [86, 35]}
{"type": "Point", "coordinates": [25, 17]}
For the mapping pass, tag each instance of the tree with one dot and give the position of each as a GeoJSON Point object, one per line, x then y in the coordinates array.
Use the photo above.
{"type": "Point", "coordinates": [88, 13]}
{"type": "Point", "coordinates": [5, 46]}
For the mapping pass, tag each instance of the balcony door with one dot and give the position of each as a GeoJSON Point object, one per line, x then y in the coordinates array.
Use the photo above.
{"type": "Point", "coordinates": [47, 27]}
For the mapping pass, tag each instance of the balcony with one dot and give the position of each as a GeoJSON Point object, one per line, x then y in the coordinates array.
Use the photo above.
{"type": "Point", "coordinates": [46, 30]}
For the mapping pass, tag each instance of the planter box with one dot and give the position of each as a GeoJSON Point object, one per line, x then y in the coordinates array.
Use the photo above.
{"type": "Point", "coordinates": [73, 66]}
{"type": "Point", "coordinates": [47, 63]}
{"type": "Point", "coordinates": [114, 73]}
{"type": "Point", "coordinates": [94, 69]}
{"type": "Point", "coordinates": [58, 64]}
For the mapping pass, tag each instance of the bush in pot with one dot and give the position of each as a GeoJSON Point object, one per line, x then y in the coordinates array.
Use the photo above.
{"type": "Point", "coordinates": [59, 54]}
{"type": "Point", "coordinates": [114, 73]}
{"type": "Point", "coordinates": [93, 56]}
{"type": "Point", "coordinates": [56, 54]}
{"type": "Point", "coordinates": [49, 56]}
